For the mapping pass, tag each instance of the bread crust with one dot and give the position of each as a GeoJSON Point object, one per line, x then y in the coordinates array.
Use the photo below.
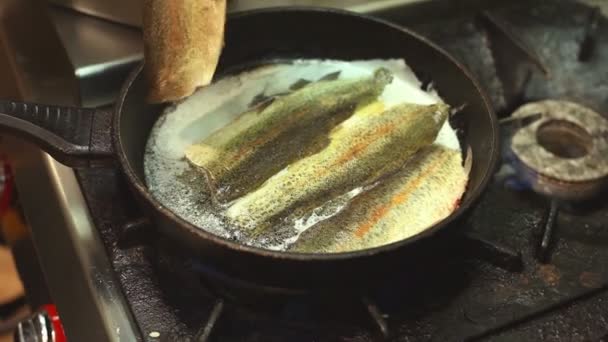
{"type": "Point", "coordinates": [183, 40]}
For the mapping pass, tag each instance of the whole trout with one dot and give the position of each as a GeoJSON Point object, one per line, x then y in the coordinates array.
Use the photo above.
{"type": "Point", "coordinates": [363, 148]}
{"type": "Point", "coordinates": [240, 156]}
{"type": "Point", "coordinates": [424, 192]}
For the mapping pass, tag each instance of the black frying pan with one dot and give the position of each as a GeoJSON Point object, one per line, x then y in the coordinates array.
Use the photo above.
{"type": "Point", "coordinates": [86, 137]}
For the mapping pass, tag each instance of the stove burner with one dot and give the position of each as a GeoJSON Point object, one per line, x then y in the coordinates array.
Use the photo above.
{"type": "Point", "coordinates": [563, 154]}
{"type": "Point", "coordinates": [564, 139]}
{"type": "Point", "coordinates": [459, 293]}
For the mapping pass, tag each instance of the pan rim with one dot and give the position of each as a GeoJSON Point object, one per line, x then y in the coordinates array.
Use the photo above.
{"type": "Point", "coordinates": [142, 189]}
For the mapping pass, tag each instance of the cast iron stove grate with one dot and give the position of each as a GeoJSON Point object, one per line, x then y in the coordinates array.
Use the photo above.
{"type": "Point", "coordinates": [498, 281]}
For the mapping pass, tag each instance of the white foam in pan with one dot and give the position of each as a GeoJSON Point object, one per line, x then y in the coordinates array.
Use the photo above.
{"type": "Point", "coordinates": [214, 106]}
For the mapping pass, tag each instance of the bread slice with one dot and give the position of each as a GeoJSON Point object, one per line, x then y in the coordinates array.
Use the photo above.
{"type": "Point", "coordinates": [182, 45]}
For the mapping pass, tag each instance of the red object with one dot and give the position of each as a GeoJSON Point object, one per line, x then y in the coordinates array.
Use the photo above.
{"type": "Point", "coordinates": [56, 321]}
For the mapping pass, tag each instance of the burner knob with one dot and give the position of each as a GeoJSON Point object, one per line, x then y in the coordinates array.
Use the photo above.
{"type": "Point", "coordinates": [43, 326]}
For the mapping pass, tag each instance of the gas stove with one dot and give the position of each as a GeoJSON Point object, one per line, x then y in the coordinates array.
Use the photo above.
{"type": "Point", "coordinates": [532, 263]}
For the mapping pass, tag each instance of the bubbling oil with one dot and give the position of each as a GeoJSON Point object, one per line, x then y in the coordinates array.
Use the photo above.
{"type": "Point", "coordinates": [180, 188]}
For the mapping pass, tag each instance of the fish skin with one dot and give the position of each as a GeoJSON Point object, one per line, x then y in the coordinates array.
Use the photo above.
{"type": "Point", "coordinates": [424, 192]}
{"type": "Point", "coordinates": [260, 142]}
{"type": "Point", "coordinates": [363, 148]}
{"type": "Point", "coordinates": [331, 76]}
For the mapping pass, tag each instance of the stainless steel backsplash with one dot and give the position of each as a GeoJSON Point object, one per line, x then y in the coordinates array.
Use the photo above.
{"type": "Point", "coordinates": [122, 11]}
{"type": "Point", "coordinates": [129, 11]}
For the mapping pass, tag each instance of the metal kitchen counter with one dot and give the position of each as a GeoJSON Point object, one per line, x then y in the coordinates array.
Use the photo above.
{"type": "Point", "coordinates": [74, 262]}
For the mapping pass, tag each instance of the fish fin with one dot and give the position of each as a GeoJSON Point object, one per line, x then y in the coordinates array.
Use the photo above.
{"type": "Point", "coordinates": [281, 94]}
{"type": "Point", "coordinates": [302, 82]}
{"type": "Point", "coordinates": [261, 101]}
{"type": "Point", "coordinates": [299, 84]}
{"type": "Point", "coordinates": [331, 76]}
{"type": "Point", "coordinates": [263, 104]}
{"type": "Point", "coordinates": [259, 98]}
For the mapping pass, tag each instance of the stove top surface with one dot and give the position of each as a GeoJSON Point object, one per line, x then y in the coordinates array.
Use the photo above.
{"type": "Point", "coordinates": [528, 268]}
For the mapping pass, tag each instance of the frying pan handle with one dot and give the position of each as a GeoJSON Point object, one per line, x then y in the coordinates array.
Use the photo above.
{"type": "Point", "coordinates": [76, 137]}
